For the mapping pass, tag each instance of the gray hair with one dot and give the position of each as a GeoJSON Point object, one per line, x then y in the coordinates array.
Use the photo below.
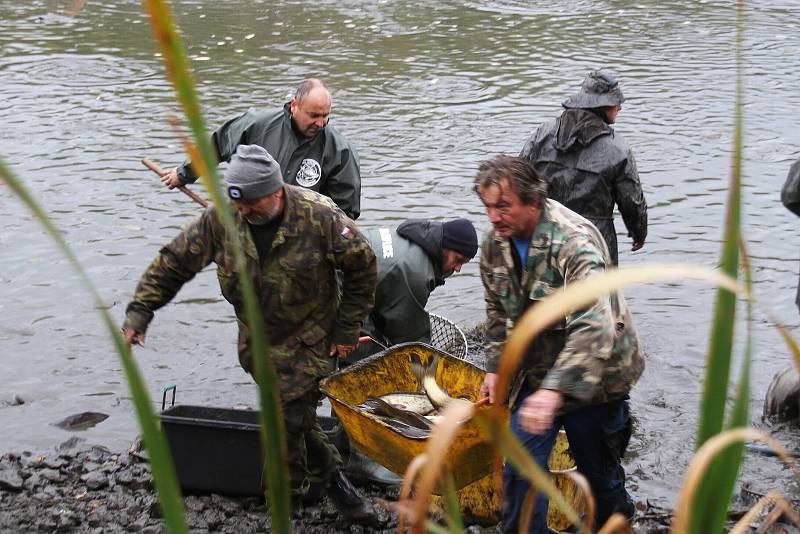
{"type": "Point", "coordinates": [306, 86]}
{"type": "Point", "coordinates": [524, 180]}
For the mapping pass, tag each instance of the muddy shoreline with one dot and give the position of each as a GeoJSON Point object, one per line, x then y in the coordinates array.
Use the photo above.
{"type": "Point", "coordinates": [83, 488]}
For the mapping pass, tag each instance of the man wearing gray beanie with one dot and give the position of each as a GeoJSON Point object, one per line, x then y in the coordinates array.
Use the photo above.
{"type": "Point", "coordinates": [294, 241]}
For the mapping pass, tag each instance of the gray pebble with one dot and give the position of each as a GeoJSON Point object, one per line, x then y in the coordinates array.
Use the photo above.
{"type": "Point", "coordinates": [95, 480]}
{"type": "Point", "coordinates": [10, 478]}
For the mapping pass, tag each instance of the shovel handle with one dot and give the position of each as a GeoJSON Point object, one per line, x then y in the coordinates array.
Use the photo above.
{"type": "Point", "coordinates": [185, 190]}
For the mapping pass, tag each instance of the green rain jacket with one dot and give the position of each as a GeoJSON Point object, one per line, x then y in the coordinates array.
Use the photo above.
{"type": "Point", "coordinates": [325, 163]}
{"type": "Point", "coordinates": [409, 269]}
{"type": "Point", "coordinates": [591, 356]}
{"type": "Point", "coordinates": [296, 284]}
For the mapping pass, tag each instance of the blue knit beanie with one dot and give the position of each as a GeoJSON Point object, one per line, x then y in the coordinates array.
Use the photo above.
{"type": "Point", "coordinates": [460, 235]}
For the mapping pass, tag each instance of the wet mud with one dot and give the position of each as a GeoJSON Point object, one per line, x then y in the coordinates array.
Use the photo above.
{"type": "Point", "coordinates": [82, 488]}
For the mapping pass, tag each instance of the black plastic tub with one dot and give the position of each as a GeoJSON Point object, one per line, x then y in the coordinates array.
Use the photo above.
{"type": "Point", "coordinates": [217, 450]}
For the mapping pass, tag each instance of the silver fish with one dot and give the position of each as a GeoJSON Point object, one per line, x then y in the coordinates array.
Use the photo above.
{"type": "Point", "coordinates": [409, 424]}
{"type": "Point", "coordinates": [426, 376]}
{"type": "Point", "coordinates": [412, 402]}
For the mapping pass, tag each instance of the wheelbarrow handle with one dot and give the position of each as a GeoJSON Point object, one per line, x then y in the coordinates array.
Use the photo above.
{"type": "Point", "coordinates": [367, 339]}
{"type": "Point", "coordinates": [172, 387]}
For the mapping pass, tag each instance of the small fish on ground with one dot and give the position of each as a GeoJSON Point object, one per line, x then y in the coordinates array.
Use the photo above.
{"type": "Point", "coordinates": [81, 421]}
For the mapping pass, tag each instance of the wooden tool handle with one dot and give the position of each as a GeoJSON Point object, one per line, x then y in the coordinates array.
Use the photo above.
{"type": "Point", "coordinates": [188, 192]}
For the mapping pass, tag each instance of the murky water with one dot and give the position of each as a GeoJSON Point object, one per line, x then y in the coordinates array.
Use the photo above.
{"type": "Point", "coordinates": [426, 91]}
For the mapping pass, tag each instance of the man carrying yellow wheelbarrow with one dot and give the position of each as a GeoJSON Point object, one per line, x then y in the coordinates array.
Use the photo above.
{"type": "Point", "coordinates": [578, 373]}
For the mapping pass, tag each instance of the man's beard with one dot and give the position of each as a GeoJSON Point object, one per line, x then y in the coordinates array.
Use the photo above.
{"type": "Point", "coordinates": [260, 219]}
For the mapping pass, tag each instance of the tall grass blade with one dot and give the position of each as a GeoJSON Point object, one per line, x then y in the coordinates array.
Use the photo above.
{"type": "Point", "coordinates": [716, 490]}
{"type": "Point", "coordinates": [453, 416]}
{"type": "Point", "coordinates": [790, 342]}
{"type": "Point", "coordinates": [719, 355]}
{"type": "Point", "coordinates": [616, 524]}
{"type": "Point", "coordinates": [166, 482]}
{"type": "Point", "coordinates": [204, 161]}
{"type": "Point", "coordinates": [772, 498]}
{"type": "Point", "coordinates": [703, 458]}
{"type": "Point", "coordinates": [709, 509]}
{"type": "Point", "coordinates": [498, 432]}
{"type": "Point", "coordinates": [580, 294]}
{"type": "Point", "coordinates": [415, 466]}
{"type": "Point", "coordinates": [452, 513]}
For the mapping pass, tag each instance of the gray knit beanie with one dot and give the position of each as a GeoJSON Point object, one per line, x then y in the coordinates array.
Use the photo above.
{"type": "Point", "coordinates": [252, 173]}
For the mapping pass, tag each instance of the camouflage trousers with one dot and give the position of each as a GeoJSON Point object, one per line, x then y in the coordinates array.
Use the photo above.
{"type": "Point", "coordinates": [312, 457]}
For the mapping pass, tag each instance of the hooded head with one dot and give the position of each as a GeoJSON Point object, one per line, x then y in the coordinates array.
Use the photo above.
{"type": "Point", "coordinates": [448, 245]}
{"type": "Point", "coordinates": [599, 89]}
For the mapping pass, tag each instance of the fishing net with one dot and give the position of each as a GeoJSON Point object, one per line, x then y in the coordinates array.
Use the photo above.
{"type": "Point", "coordinates": [447, 337]}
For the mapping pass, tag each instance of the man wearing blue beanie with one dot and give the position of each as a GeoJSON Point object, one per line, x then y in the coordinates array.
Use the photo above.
{"type": "Point", "coordinates": [413, 260]}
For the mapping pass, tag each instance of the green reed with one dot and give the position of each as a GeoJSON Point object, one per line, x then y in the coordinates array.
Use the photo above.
{"type": "Point", "coordinates": [204, 162]}
{"type": "Point", "coordinates": [166, 482]}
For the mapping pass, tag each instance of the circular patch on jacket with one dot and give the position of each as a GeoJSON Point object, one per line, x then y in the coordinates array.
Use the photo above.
{"type": "Point", "coordinates": [235, 192]}
{"type": "Point", "coordinates": [309, 174]}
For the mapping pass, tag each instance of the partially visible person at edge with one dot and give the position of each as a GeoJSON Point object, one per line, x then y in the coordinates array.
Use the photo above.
{"type": "Point", "coordinates": [783, 395]}
{"type": "Point", "coordinates": [310, 152]}
{"type": "Point", "coordinates": [588, 166]}
{"type": "Point", "coordinates": [294, 241]}
{"type": "Point", "coordinates": [413, 260]}
{"type": "Point", "coordinates": [578, 373]}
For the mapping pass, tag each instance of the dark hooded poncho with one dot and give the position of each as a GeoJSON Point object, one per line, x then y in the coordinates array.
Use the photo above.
{"type": "Point", "coordinates": [589, 168]}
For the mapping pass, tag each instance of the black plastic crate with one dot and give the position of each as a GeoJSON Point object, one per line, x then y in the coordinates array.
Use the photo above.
{"type": "Point", "coordinates": [217, 450]}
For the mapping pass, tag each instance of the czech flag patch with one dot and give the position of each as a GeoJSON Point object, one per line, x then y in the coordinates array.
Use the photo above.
{"type": "Point", "coordinates": [346, 232]}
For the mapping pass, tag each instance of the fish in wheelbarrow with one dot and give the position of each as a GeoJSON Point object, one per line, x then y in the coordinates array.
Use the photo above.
{"type": "Point", "coordinates": [426, 376]}
{"type": "Point", "coordinates": [409, 424]}
{"type": "Point", "coordinates": [412, 402]}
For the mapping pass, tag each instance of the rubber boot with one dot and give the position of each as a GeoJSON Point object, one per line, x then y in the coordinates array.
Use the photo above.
{"type": "Point", "coordinates": [353, 507]}
{"type": "Point", "coordinates": [362, 469]}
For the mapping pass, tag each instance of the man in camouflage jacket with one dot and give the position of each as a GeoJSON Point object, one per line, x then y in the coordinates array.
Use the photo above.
{"type": "Point", "coordinates": [294, 240]}
{"type": "Point", "coordinates": [588, 166]}
{"type": "Point", "coordinates": [578, 372]}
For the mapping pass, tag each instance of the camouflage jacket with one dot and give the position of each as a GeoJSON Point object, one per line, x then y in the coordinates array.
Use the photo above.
{"type": "Point", "coordinates": [589, 167]}
{"type": "Point", "coordinates": [591, 355]}
{"type": "Point", "coordinates": [326, 163]}
{"type": "Point", "coordinates": [296, 284]}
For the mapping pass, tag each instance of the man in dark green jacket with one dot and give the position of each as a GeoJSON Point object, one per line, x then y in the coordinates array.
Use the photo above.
{"type": "Point", "coordinates": [588, 166]}
{"type": "Point", "coordinates": [413, 260]}
{"type": "Point", "coordinates": [310, 152]}
{"type": "Point", "coordinates": [294, 241]}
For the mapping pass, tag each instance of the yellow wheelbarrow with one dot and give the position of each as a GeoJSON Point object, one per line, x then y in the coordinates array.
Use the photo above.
{"type": "Point", "coordinates": [471, 457]}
